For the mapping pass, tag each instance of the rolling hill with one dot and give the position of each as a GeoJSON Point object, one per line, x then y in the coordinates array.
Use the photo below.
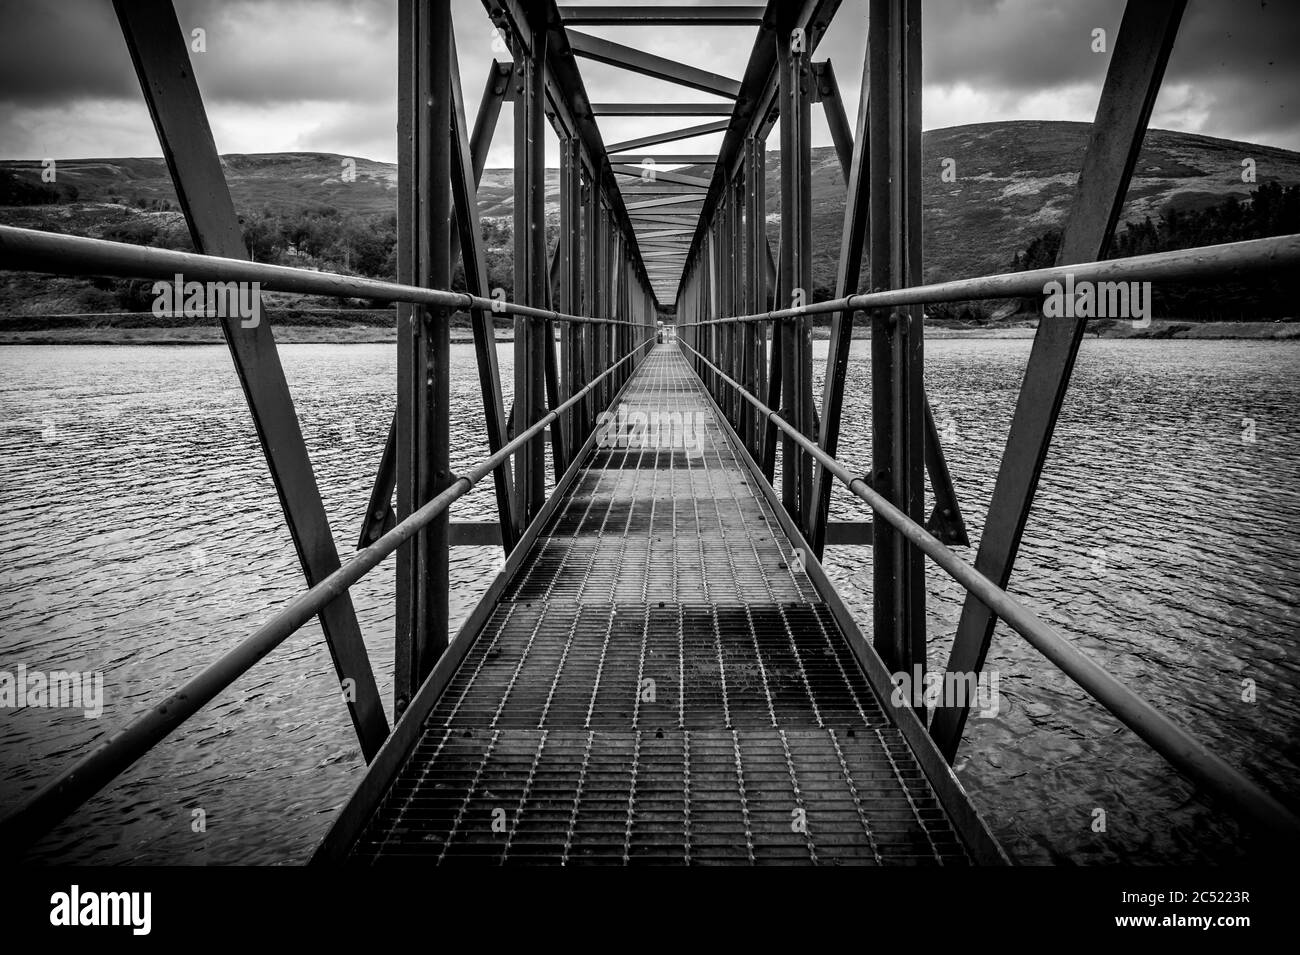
{"type": "Point", "coordinates": [1014, 180]}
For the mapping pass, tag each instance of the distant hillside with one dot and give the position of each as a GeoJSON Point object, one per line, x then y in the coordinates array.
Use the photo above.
{"type": "Point", "coordinates": [1014, 181]}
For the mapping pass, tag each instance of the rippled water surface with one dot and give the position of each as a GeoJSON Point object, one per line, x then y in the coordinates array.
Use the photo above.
{"type": "Point", "coordinates": [142, 538]}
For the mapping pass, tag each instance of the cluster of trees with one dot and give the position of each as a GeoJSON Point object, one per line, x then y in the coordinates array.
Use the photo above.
{"type": "Point", "coordinates": [1272, 209]}
{"type": "Point", "coordinates": [325, 237]}
{"type": "Point", "coordinates": [320, 236]}
{"type": "Point", "coordinates": [18, 191]}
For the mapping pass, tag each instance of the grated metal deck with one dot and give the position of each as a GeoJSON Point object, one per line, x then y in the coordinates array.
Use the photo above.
{"type": "Point", "coordinates": [661, 683]}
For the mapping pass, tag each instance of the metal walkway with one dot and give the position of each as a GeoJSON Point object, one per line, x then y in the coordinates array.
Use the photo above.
{"type": "Point", "coordinates": [661, 683]}
{"type": "Point", "coordinates": [662, 672]}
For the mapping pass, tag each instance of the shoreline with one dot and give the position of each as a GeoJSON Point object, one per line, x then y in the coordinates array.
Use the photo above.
{"type": "Point", "coordinates": [369, 334]}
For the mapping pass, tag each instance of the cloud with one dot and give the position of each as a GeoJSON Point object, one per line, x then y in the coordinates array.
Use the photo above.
{"type": "Point", "coordinates": [319, 75]}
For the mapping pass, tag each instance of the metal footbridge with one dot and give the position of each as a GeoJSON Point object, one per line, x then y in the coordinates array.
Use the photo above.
{"type": "Point", "coordinates": [660, 681]}
{"type": "Point", "coordinates": [661, 672]}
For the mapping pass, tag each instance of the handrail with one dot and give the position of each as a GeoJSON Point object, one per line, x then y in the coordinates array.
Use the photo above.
{"type": "Point", "coordinates": [1186, 754]}
{"type": "Point", "coordinates": [34, 250]}
{"type": "Point", "coordinates": [1204, 262]}
{"type": "Point", "coordinates": [59, 798]}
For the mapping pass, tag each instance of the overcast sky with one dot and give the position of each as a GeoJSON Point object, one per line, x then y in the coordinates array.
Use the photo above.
{"type": "Point", "coordinates": [318, 75]}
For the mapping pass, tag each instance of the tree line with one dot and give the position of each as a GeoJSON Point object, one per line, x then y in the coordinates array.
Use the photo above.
{"type": "Point", "coordinates": [1271, 209]}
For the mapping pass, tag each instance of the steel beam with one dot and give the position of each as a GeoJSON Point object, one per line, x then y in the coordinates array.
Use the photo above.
{"type": "Point", "coordinates": [688, 159]}
{"type": "Point", "coordinates": [644, 15]}
{"type": "Point", "coordinates": [570, 297]}
{"type": "Point", "coordinates": [466, 170]}
{"type": "Point", "coordinates": [647, 64]}
{"type": "Point", "coordinates": [854, 165]}
{"type": "Point", "coordinates": [423, 338]}
{"type": "Point", "coordinates": [946, 521]}
{"type": "Point", "coordinates": [796, 262]}
{"type": "Point", "coordinates": [1133, 78]}
{"type": "Point", "coordinates": [566, 94]}
{"type": "Point", "coordinates": [591, 291]}
{"type": "Point", "coordinates": [897, 369]}
{"type": "Point", "coordinates": [159, 52]}
{"type": "Point", "coordinates": [837, 120]}
{"type": "Point", "coordinates": [754, 337]}
{"type": "Point", "coordinates": [659, 176]}
{"type": "Point", "coordinates": [638, 208]}
{"type": "Point", "coordinates": [669, 136]}
{"type": "Point", "coordinates": [661, 109]}
{"type": "Point", "coordinates": [531, 266]}
{"type": "Point", "coordinates": [379, 517]}
{"type": "Point", "coordinates": [663, 189]}
{"type": "Point", "coordinates": [752, 116]}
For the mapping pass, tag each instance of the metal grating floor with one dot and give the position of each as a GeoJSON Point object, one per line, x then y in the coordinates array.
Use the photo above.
{"type": "Point", "coordinates": [661, 683]}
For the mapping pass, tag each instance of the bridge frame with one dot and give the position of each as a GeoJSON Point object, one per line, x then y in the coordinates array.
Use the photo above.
{"type": "Point", "coordinates": [730, 289]}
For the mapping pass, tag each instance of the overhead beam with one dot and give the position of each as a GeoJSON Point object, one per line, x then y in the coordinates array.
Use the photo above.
{"type": "Point", "coordinates": [567, 97]}
{"type": "Point", "coordinates": [670, 136]}
{"type": "Point", "coordinates": [651, 220]}
{"type": "Point", "coordinates": [661, 109]}
{"type": "Point", "coordinates": [644, 15]}
{"type": "Point", "coordinates": [634, 208]}
{"type": "Point", "coordinates": [664, 189]}
{"type": "Point", "coordinates": [754, 106]}
{"type": "Point", "coordinates": [689, 159]}
{"type": "Point", "coordinates": [647, 64]}
{"type": "Point", "coordinates": [659, 175]}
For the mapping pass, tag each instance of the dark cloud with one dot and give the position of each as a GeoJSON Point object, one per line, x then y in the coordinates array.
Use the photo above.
{"type": "Point", "coordinates": [51, 53]}
{"type": "Point", "coordinates": [320, 74]}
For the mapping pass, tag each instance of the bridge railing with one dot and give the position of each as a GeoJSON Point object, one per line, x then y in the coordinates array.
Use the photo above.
{"type": "Point", "coordinates": [32, 250]}
{"type": "Point", "coordinates": [1231, 260]}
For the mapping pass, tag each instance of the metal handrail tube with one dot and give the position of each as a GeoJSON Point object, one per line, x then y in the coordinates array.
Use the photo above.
{"type": "Point", "coordinates": [93, 772]}
{"type": "Point", "coordinates": [1206, 262]}
{"type": "Point", "coordinates": [1186, 754]}
{"type": "Point", "coordinates": [32, 250]}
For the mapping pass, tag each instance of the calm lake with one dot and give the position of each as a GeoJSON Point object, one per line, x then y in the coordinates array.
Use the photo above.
{"type": "Point", "coordinates": [142, 538]}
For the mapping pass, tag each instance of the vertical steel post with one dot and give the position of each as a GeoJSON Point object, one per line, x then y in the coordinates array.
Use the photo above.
{"type": "Point", "coordinates": [756, 262]}
{"type": "Point", "coordinates": [379, 517]}
{"type": "Point", "coordinates": [736, 240]}
{"type": "Point", "coordinates": [532, 266]}
{"type": "Point", "coordinates": [467, 242]}
{"type": "Point", "coordinates": [855, 166]}
{"type": "Point", "coordinates": [423, 344]}
{"type": "Point", "coordinates": [796, 261]}
{"type": "Point", "coordinates": [722, 271]}
{"type": "Point", "coordinates": [570, 299]}
{"type": "Point", "coordinates": [946, 522]}
{"type": "Point", "coordinates": [898, 410]}
{"type": "Point", "coordinates": [590, 293]}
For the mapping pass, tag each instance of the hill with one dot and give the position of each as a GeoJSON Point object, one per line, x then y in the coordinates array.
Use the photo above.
{"type": "Point", "coordinates": [1014, 180]}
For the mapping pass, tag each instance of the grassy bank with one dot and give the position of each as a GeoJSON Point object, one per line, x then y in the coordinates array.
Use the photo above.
{"type": "Point", "coordinates": [1160, 329]}
{"type": "Point", "coordinates": [379, 327]}
{"type": "Point", "coordinates": [350, 326]}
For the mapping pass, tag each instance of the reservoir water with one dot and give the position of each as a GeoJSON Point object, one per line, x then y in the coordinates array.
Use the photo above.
{"type": "Point", "coordinates": [142, 538]}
